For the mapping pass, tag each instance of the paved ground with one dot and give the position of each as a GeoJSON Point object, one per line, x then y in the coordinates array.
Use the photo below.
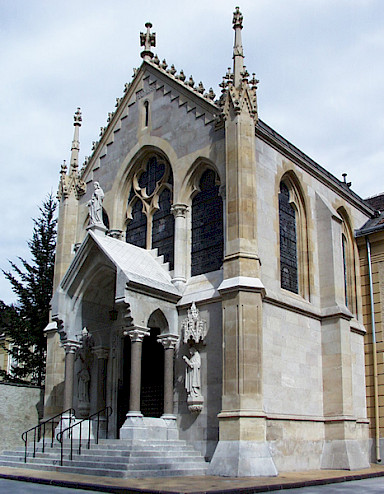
{"type": "Point", "coordinates": [370, 481]}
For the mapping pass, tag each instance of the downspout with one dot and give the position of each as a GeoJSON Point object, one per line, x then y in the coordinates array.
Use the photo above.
{"type": "Point", "coordinates": [374, 355]}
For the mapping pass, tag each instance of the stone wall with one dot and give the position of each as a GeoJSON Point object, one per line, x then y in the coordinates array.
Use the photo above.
{"type": "Point", "coordinates": [20, 408]}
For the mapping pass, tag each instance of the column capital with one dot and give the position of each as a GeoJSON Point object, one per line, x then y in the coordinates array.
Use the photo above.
{"type": "Point", "coordinates": [179, 210]}
{"type": "Point", "coordinates": [136, 333]}
{"type": "Point", "coordinates": [101, 352]}
{"type": "Point", "coordinates": [168, 340]}
{"type": "Point", "coordinates": [71, 346]}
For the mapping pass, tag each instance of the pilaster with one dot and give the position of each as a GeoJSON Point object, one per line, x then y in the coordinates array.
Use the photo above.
{"type": "Point", "coordinates": [180, 213]}
{"type": "Point", "coordinates": [242, 449]}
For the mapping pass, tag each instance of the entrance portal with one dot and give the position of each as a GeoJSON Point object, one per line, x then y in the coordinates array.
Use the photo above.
{"type": "Point", "coordinates": [152, 376]}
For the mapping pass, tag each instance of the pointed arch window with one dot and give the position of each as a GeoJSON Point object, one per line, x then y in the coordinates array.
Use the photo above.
{"type": "Point", "coordinates": [150, 223]}
{"type": "Point", "coordinates": [207, 226]}
{"type": "Point", "coordinates": [288, 242]}
{"type": "Point", "coordinates": [294, 265]}
{"type": "Point", "coordinates": [349, 264]}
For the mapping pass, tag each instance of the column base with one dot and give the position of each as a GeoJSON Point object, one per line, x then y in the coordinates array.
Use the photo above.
{"type": "Point", "coordinates": [149, 428]}
{"type": "Point", "coordinates": [242, 459]}
{"type": "Point", "coordinates": [344, 454]}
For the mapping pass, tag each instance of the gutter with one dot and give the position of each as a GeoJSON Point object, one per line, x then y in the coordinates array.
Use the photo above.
{"type": "Point", "coordinates": [374, 355]}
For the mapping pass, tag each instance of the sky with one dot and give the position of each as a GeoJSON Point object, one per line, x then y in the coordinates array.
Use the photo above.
{"type": "Point", "coordinates": [319, 62]}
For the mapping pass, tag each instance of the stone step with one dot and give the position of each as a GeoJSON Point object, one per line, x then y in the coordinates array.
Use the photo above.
{"type": "Point", "coordinates": [115, 458]}
{"type": "Point", "coordinates": [153, 471]}
{"type": "Point", "coordinates": [71, 469]}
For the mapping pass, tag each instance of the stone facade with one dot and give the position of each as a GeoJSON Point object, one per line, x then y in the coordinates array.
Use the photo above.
{"type": "Point", "coordinates": [21, 404]}
{"type": "Point", "coordinates": [371, 247]}
{"type": "Point", "coordinates": [281, 370]}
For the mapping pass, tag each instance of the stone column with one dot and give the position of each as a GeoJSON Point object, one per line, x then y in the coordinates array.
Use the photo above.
{"type": "Point", "coordinates": [136, 333]}
{"type": "Point", "coordinates": [179, 211]}
{"type": "Point", "coordinates": [169, 343]}
{"type": "Point", "coordinates": [70, 350]}
{"type": "Point", "coordinates": [102, 358]}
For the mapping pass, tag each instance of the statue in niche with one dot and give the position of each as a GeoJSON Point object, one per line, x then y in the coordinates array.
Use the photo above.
{"type": "Point", "coordinates": [84, 375]}
{"type": "Point", "coordinates": [84, 378]}
{"type": "Point", "coordinates": [192, 374]}
{"type": "Point", "coordinates": [195, 399]}
{"type": "Point", "coordinates": [194, 331]}
{"type": "Point", "coordinates": [95, 206]}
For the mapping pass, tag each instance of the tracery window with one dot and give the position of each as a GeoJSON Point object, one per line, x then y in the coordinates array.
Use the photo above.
{"type": "Point", "coordinates": [207, 226]}
{"type": "Point", "coordinates": [288, 242]}
{"type": "Point", "coordinates": [150, 223]}
{"type": "Point", "coordinates": [293, 235]}
{"type": "Point", "coordinates": [349, 263]}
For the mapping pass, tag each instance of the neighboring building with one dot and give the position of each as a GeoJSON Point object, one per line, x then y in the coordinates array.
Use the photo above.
{"type": "Point", "coordinates": [207, 276]}
{"type": "Point", "coordinates": [370, 240]}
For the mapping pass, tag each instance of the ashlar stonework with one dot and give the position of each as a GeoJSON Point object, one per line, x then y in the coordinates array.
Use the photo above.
{"type": "Point", "coordinates": [178, 207]}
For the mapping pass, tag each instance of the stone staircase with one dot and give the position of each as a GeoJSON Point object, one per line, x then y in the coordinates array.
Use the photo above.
{"type": "Point", "coordinates": [115, 458]}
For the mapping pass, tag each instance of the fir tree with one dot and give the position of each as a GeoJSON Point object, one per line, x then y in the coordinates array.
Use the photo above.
{"type": "Point", "coordinates": [23, 323]}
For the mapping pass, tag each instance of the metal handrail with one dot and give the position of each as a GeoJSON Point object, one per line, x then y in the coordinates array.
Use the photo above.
{"type": "Point", "coordinates": [59, 435]}
{"type": "Point", "coordinates": [37, 432]}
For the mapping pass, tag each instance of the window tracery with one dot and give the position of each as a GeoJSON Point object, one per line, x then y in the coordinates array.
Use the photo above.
{"type": "Point", "coordinates": [293, 235]}
{"type": "Point", "coordinates": [207, 226]}
{"type": "Point", "coordinates": [288, 242]}
{"type": "Point", "coordinates": [150, 223]}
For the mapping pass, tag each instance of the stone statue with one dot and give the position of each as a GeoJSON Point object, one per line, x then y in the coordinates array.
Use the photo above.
{"type": "Point", "coordinates": [84, 379]}
{"type": "Point", "coordinates": [95, 206]}
{"type": "Point", "coordinates": [192, 374]}
{"type": "Point", "coordinates": [193, 327]}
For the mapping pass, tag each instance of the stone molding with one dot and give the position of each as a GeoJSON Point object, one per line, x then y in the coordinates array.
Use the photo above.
{"type": "Point", "coordinates": [71, 346]}
{"type": "Point", "coordinates": [137, 333]}
{"type": "Point", "coordinates": [168, 340]}
{"type": "Point", "coordinates": [179, 210]}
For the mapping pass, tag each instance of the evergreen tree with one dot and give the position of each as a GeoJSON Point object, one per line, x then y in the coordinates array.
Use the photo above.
{"type": "Point", "coordinates": [23, 323]}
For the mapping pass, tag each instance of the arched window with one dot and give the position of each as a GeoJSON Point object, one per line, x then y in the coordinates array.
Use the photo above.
{"type": "Point", "coordinates": [137, 225]}
{"type": "Point", "coordinates": [150, 223]}
{"type": "Point", "coordinates": [348, 259]}
{"type": "Point", "coordinates": [293, 235]}
{"type": "Point", "coordinates": [207, 226]}
{"type": "Point", "coordinates": [288, 242]}
{"type": "Point", "coordinates": [146, 113]}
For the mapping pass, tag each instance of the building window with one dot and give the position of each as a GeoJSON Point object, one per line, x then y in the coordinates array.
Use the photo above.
{"type": "Point", "coordinates": [207, 226]}
{"type": "Point", "coordinates": [150, 223]}
{"type": "Point", "coordinates": [288, 242]}
{"type": "Point", "coordinates": [146, 113]}
{"type": "Point", "coordinates": [348, 259]}
{"type": "Point", "coordinates": [293, 235]}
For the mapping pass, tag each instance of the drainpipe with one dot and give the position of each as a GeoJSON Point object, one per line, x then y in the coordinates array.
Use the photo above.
{"type": "Point", "coordinates": [374, 355]}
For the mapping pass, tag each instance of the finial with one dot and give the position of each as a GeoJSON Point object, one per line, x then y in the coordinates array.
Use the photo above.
{"type": "Point", "coordinates": [200, 88]}
{"type": "Point", "coordinates": [237, 19]}
{"type": "Point", "coordinates": [63, 169]}
{"type": "Point", "coordinates": [156, 60]}
{"type": "Point", "coordinates": [172, 70]}
{"type": "Point", "coordinates": [147, 40]}
{"type": "Point", "coordinates": [238, 54]}
{"type": "Point", "coordinates": [77, 117]}
{"type": "Point", "coordinates": [181, 76]}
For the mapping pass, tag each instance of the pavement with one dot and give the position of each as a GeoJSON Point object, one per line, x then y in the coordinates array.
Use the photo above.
{"type": "Point", "coordinates": [191, 485]}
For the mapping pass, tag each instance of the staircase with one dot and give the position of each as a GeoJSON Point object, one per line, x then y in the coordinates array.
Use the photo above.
{"type": "Point", "coordinates": [114, 458]}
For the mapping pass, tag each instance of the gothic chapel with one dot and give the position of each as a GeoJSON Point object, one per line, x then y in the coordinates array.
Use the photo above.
{"type": "Point", "coordinates": [207, 283]}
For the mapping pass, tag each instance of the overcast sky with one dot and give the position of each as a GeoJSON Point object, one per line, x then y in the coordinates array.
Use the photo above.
{"type": "Point", "coordinates": [320, 65]}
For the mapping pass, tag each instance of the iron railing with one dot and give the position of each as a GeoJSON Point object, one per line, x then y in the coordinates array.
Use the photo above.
{"type": "Point", "coordinates": [104, 413]}
{"type": "Point", "coordinates": [39, 431]}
